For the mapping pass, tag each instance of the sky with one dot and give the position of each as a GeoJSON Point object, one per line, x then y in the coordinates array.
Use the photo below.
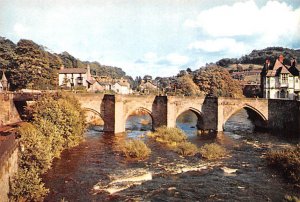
{"type": "Point", "coordinates": [154, 37]}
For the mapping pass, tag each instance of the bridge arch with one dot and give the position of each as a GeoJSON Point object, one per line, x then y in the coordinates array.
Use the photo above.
{"type": "Point", "coordinates": [93, 116]}
{"type": "Point", "coordinates": [198, 114]}
{"type": "Point", "coordinates": [255, 115]}
{"type": "Point", "coordinates": [139, 110]}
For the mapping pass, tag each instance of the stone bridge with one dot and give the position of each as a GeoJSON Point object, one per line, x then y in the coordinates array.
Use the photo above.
{"type": "Point", "coordinates": [212, 113]}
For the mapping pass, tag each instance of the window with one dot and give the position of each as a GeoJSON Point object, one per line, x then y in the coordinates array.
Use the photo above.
{"type": "Point", "coordinates": [284, 78]}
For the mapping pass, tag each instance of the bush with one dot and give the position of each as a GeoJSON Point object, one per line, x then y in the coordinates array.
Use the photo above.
{"type": "Point", "coordinates": [27, 186]}
{"type": "Point", "coordinates": [135, 149]}
{"type": "Point", "coordinates": [186, 149]}
{"type": "Point", "coordinates": [212, 151]}
{"type": "Point", "coordinates": [36, 152]}
{"type": "Point", "coordinates": [286, 161]}
{"type": "Point", "coordinates": [169, 136]}
{"type": "Point", "coordinates": [58, 122]}
{"type": "Point", "coordinates": [291, 198]}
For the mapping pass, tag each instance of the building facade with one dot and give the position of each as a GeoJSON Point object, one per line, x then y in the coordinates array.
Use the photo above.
{"type": "Point", "coordinates": [280, 81]}
{"type": "Point", "coordinates": [74, 77]}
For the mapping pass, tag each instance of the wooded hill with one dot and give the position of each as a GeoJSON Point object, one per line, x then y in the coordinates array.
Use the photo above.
{"type": "Point", "coordinates": [258, 57]}
{"type": "Point", "coordinates": [30, 65]}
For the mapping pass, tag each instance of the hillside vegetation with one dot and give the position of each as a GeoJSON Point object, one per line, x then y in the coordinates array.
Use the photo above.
{"type": "Point", "coordinates": [258, 57]}
{"type": "Point", "coordinates": [30, 65]}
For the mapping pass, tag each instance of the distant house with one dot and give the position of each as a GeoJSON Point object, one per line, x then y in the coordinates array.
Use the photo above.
{"type": "Point", "coordinates": [280, 81]}
{"type": "Point", "coordinates": [121, 87]}
{"type": "Point", "coordinates": [147, 86]}
{"type": "Point", "coordinates": [75, 77]}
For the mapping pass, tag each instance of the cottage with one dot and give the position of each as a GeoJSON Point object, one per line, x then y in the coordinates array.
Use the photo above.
{"type": "Point", "coordinates": [75, 77]}
{"type": "Point", "coordinates": [121, 87]}
{"type": "Point", "coordinates": [280, 81]}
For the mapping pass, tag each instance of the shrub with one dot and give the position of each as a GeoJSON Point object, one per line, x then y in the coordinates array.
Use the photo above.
{"type": "Point", "coordinates": [286, 161]}
{"type": "Point", "coordinates": [36, 152]}
{"type": "Point", "coordinates": [291, 198]}
{"type": "Point", "coordinates": [135, 149]}
{"type": "Point", "coordinates": [27, 186]}
{"type": "Point", "coordinates": [169, 136]}
{"type": "Point", "coordinates": [186, 149]}
{"type": "Point", "coordinates": [212, 151]}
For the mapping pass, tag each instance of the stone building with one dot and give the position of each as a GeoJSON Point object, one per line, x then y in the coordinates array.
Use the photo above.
{"type": "Point", "coordinates": [279, 81]}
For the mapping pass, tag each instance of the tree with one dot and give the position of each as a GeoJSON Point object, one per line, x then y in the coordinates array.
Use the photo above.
{"type": "Point", "coordinates": [216, 81]}
{"type": "Point", "coordinates": [31, 67]}
{"type": "Point", "coordinates": [187, 87]}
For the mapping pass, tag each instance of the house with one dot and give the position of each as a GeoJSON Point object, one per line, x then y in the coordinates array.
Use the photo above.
{"type": "Point", "coordinates": [280, 81]}
{"type": "Point", "coordinates": [121, 87]}
{"type": "Point", "coordinates": [75, 77]}
{"type": "Point", "coordinates": [147, 86]}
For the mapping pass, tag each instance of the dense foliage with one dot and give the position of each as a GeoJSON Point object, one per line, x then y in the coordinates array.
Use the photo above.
{"type": "Point", "coordinates": [56, 122]}
{"type": "Point", "coordinates": [187, 87]}
{"type": "Point", "coordinates": [29, 65]}
{"type": "Point", "coordinates": [286, 161]}
{"type": "Point", "coordinates": [259, 56]}
{"type": "Point", "coordinates": [216, 81]}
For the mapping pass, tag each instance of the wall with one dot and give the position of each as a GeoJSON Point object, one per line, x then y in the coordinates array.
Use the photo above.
{"type": "Point", "coordinates": [8, 163]}
{"type": "Point", "coordinates": [284, 115]}
{"type": "Point", "coordinates": [8, 111]}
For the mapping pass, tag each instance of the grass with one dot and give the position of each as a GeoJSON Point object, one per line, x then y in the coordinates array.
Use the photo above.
{"type": "Point", "coordinates": [135, 149]}
{"type": "Point", "coordinates": [186, 149]}
{"type": "Point", "coordinates": [212, 151]}
{"type": "Point", "coordinates": [286, 161]}
{"type": "Point", "coordinates": [291, 198]}
{"type": "Point", "coordinates": [174, 139]}
{"type": "Point", "coordinates": [168, 136]}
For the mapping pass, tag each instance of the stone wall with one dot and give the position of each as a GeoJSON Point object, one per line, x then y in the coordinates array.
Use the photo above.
{"type": "Point", "coordinates": [284, 115]}
{"type": "Point", "coordinates": [8, 164]}
{"type": "Point", "coordinates": [8, 111]}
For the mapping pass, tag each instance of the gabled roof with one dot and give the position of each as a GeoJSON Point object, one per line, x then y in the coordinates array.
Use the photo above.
{"type": "Point", "coordinates": [73, 71]}
{"type": "Point", "coordinates": [278, 69]}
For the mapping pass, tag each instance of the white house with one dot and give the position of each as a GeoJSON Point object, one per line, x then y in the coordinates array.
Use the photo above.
{"type": "Point", "coordinates": [280, 81]}
{"type": "Point", "coordinates": [74, 77]}
{"type": "Point", "coordinates": [121, 87]}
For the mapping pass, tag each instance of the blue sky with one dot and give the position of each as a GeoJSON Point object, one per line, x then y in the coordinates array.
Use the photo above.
{"type": "Point", "coordinates": [156, 37]}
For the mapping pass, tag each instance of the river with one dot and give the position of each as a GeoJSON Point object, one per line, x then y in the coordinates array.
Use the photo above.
{"type": "Point", "coordinates": [95, 171]}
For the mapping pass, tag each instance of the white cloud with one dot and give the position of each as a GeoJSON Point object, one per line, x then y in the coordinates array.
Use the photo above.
{"type": "Point", "coordinates": [177, 59]}
{"type": "Point", "coordinates": [150, 57]}
{"type": "Point", "coordinates": [272, 22]}
{"type": "Point", "coordinates": [20, 29]}
{"type": "Point", "coordinates": [220, 44]}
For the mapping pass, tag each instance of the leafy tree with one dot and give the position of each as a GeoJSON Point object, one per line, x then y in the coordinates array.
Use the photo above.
{"type": "Point", "coordinates": [31, 67]}
{"type": "Point", "coordinates": [187, 87]}
{"type": "Point", "coordinates": [216, 81]}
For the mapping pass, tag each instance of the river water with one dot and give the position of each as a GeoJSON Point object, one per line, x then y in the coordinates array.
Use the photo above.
{"type": "Point", "coordinates": [95, 170]}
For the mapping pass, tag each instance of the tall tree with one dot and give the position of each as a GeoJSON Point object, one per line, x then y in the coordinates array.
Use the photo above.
{"type": "Point", "coordinates": [30, 68]}
{"type": "Point", "coordinates": [216, 81]}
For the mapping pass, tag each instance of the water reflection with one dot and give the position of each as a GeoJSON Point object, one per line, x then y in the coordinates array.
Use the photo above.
{"type": "Point", "coordinates": [187, 121]}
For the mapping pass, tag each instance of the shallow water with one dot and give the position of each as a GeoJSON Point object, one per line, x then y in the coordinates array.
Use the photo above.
{"type": "Point", "coordinates": [95, 170]}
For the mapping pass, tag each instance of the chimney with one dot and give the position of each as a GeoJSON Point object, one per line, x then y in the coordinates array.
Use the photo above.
{"type": "Point", "coordinates": [267, 64]}
{"type": "Point", "coordinates": [280, 58]}
{"type": "Point", "coordinates": [293, 62]}
{"type": "Point", "coordinates": [62, 67]}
